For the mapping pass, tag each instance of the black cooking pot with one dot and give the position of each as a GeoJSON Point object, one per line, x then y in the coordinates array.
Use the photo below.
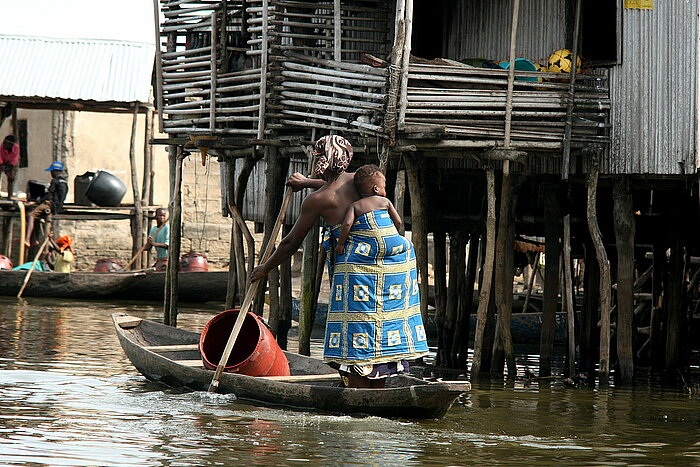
{"type": "Point", "coordinates": [106, 189]}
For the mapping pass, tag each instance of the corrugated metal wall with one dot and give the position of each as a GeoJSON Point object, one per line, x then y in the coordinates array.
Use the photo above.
{"type": "Point", "coordinates": [481, 29]}
{"type": "Point", "coordinates": [652, 92]}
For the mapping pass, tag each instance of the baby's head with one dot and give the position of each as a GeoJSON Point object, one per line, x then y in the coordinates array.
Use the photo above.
{"type": "Point", "coordinates": [369, 180]}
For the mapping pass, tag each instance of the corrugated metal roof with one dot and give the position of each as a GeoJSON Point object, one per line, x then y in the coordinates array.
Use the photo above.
{"type": "Point", "coordinates": [76, 69]}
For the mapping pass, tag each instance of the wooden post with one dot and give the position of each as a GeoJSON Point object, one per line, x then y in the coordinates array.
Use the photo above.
{"type": "Point", "coordinates": [213, 70]}
{"type": "Point", "coordinates": [159, 61]}
{"type": "Point", "coordinates": [406, 57]}
{"type": "Point", "coordinates": [337, 32]}
{"type": "Point", "coordinates": [440, 275]}
{"type": "Point", "coordinates": [589, 312]}
{"type": "Point", "coordinates": [624, 239]}
{"type": "Point", "coordinates": [675, 287]}
{"type": "Point", "coordinates": [458, 252]}
{"type": "Point", "coordinates": [285, 315]}
{"type": "Point", "coordinates": [147, 184]}
{"type": "Point", "coordinates": [137, 220]}
{"type": "Point", "coordinates": [419, 225]}
{"type": "Point", "coordinates": [274, 191]}
{"type": "Point", "coordinates": [263, 69]}
{"type": "Point", "coordinates": [568, 296]}
{"type": "Point", "coordinates": [400, 196]}
{"type": "Point", "coordinates": [308, 277]}
{"type": "Point", "coordinates": [235, 239]}
{"type": "Point", "coordinates": [175, 207]}
{"type": "Point", "coordinates": [604, 269]}
{"type": "Point", "coordinates": [659, 298]}
{"type": "Point", "coordinates": [173, 155]}
{"type": "Point", "coordinates": [460, 346]}
{"type": "Point", "coordinates": [487, 273]}
{"type": "Point", "coordinates": [552, 249]}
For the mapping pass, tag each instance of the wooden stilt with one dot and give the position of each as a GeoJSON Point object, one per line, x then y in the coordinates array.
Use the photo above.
{"type": "Point", "coordinates": [589, 337]}
{"type": "Point", "coordinates": [675, 309]}
{"type": "Point", "coordinates": [274, 191]}
{"type": "Point", "coordinates": [285, 315]}
{"type": "Point", "coordinates": [503, 279]}
{"type": "Point", "coordinates": [535, 266]}
{"type": "Point", "coordinates": [604, 269]}
{"type": "Point", "coordinates": [175, 241]}
{"type": "Point", "coordinates": [137, 219]}
{"type": "Point", "coordinates": [440, 277]}
{"type": "Point", "coordinates": [419, 225]}
{"type": "Point", "coordinates": [659, 301]}
{"type": "Point", "coordinates": [173, 155]}
{"type": "Point", "coordinates": [624, 239]}
{"type": "Point", "coordinates": [308, 274]}
{"type": "Point", "coordinates": [568, 297]}
{"type": "Point", "coordinates": [485, 288]}
{"type": "Point", "coordinates": [552, 214]}
{"type": "Point", "coordinates": [400, 196]}
{"type": "Point", "coordinates": [458, 251]}
{"type": "Point", "coordinates": [461, 340]}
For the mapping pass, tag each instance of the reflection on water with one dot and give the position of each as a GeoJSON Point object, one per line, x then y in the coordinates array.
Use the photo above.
{"type": "Point", "coordinates": [68, 396]}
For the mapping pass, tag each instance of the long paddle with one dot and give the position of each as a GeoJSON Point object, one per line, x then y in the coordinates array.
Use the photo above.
{"type": "Point", "coordinates": [143, 248]}
{"type": "Point", "coordinates": [22, 230]}
{"type": "Point", "coordinates": [33, 266]}
{"type": "Point", "coordinates": [249, 295]}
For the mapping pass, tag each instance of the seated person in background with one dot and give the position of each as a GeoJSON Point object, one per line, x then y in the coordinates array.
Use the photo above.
{"type": "Point", "coordinates": [65, 254]}
{"type": "Point", "coordinates": [370, 183]}
{"type": "Point", "coordinates": [52, 202]}
{"type": "Point", "coordinates": [159, 237]}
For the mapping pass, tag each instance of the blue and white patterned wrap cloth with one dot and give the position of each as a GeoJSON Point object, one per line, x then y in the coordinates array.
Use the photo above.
{"type": "Point", "coordinates": [374, 311]}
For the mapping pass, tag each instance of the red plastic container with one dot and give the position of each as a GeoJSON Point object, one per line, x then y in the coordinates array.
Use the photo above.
{"type": "Point", "coordinates": [108, 265]}
{"type": "Point", "coordinates": [5, 262]}
{"type": "Point", "coordinates": [256, 352]}
{"type": "Point", "coordinates": [194, 262]}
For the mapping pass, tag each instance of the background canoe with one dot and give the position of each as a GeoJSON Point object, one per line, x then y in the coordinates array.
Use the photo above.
{"type": "Point", "coordinates": [67, 285]}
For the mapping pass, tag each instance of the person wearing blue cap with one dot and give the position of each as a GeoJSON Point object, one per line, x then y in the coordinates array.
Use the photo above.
{"type": "Point", "coordinates": [52, 202]}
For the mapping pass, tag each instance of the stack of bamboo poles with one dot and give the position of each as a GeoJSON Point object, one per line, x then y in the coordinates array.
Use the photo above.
{"type": "Point", "coordinates": [318, 93]}
{"type": "Point", "coordinates": [470, 102]}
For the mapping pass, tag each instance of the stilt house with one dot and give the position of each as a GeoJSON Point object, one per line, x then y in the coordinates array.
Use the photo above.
{"type": "Point", "coordinates": [490, 150]}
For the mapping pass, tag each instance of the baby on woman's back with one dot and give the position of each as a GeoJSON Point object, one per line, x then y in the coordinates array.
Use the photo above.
{"type": "Point", "coordinates": [370, 183]}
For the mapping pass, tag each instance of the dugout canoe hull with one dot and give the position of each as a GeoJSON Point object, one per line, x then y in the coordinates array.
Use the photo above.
{"type": "Point", "coordinates": [67, 285]}
{"type": "Point", "coordinates": [193, 286]}
{"type": "Point", "coordinates": [170, 355]}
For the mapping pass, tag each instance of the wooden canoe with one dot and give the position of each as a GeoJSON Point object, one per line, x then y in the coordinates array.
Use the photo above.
{"type": "Point", "coordinates": [67, 284]}
{"type": "Point", "coordinates": [193, 286]}
{"type": "Point", "coordinates": [171, 356]}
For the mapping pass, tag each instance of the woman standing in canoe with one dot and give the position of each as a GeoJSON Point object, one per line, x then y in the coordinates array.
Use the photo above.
{"type": "Point", "coordinates": [374, 324]}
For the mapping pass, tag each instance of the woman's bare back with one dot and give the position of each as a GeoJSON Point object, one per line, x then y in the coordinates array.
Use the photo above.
{"type": "Point", "coordinates": [335, 198]}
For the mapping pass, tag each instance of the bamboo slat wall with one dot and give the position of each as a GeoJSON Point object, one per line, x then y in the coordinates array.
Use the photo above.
{"type": "Point", "coordinates": [468, 102]}
{"type": "Point", "coordinates": [275, 64]}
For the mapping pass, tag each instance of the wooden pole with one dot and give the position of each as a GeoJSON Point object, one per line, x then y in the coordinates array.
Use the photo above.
{"type": "Point", "coordinates": [589, 312]}
{"type": "Point", "coordinates": [461, 341]}
{"type": "Point", "coordinates": [405, 62]}
{"type": "Point", "coordinates": [568, 296]}
{"type": "Point", "coordinates": [440, 277]}
{"type": "Point", "coordinates": [137, 220]}
{"type": "Point", "coordinates": [159, 62]}
{"type": "Point", "coordinates": [147, 185]}
{"type": "Point", "coordinates": [415, 170]}
{"type": "Point", "coordinates": [175, 207]}
{"type": "Point", "coordinates": [263, 69]}
{"type": "Point", "coordinates": [487, 273]}
{"type": "Point", "coordinates": [36, 258]}
{"type": "Point", "coordinates": [22, 230]}
{"type": "Point", "coordinates": [308, 277]}
{"type": "Point", "coordinates": [458, 252]}
{"type": "Point", "coordinates": [604, 268]}
{"type": "Point", "coordinates": [285, 318]}
{"type": "Point", "coordinates": [400, 196]}
{"type": "Point", "coordinates": [552, 284]}
{"type": "Point", "coordinates": [213, 72]}
{"type": "Point", "coordinates": [675, 292]}
{"type": "Point", "coordinates": [624, 238]}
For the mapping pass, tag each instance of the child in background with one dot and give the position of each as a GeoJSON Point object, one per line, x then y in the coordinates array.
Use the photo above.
{"type": "Point", "coordinates": [370, 184]}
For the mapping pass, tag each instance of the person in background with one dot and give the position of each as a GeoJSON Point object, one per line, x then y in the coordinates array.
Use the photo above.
{"type": "Point", "coordinates": [52, 202]}
{"type": "Point", "coordinates": [159, 237]}
{"type": "Point", "coordinates": [9, 159]}
{"type": "Point", "coordinates": [65, 255]}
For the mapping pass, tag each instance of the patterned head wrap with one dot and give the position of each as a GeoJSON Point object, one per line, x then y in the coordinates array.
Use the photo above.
{"type": "Point", "coordinates": [333, 154]}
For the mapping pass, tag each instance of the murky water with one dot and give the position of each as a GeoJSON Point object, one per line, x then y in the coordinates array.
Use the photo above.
{"type": "Point", "coordinates": [69, 396]}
